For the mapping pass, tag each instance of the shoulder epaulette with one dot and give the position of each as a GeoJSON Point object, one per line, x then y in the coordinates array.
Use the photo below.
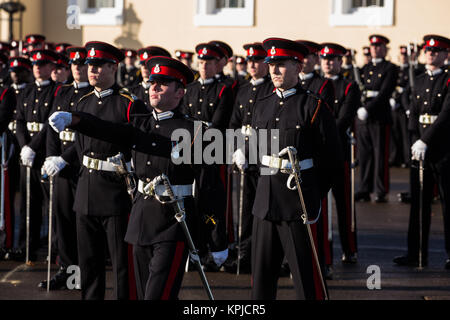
{"type": "Point", "coordinates": [86, 95]}
{"type": "Point", "coordinates": [125, 93]}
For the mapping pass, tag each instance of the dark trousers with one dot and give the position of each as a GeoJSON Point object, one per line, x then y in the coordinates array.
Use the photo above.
{"type": "Point", "coordinates": [433, 172]}
{"type": "Point", "coordinates": [159, 270]}
{"type": "Point", "coordinates": [95, 236]}
{"type": "Point", "coordinates": [65, 218]}
{"type": "Point", "coordinates": [271, 241]}
{"type": "Point", "coordinates": [400, 144]}
{"type": "Point", "coordinates": [38, 207]}
{"type": "Point", "coordinates": [373, 153]}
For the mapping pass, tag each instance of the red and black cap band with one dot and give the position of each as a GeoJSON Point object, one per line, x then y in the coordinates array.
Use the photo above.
{"type": "Point", "coordinates": [166, 68]}
{"type": "Point", "coordinates": [278, 48]}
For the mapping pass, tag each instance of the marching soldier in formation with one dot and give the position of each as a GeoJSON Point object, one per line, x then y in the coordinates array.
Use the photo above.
{"type": "Point", "coordinates": [241, 75]}
{"type": "Point", "coordinates": [227, 53]}
{"type": "Point", "coordinates": [374, 120]}
{"type": "Point", "coordinates": [211, 101]}
{"type": "Point", "coordinates": [305, 123]}
{"type": "Point", "coordinates": [141, 90]}
{"type": "Point", "coordinates": [33, 108]}
{"type": "Point", "coordinates": [102, 203]}
{"type": "Point", "coordinates": [347, 65]}
{"type": "Point", "coordinates": [429, 126]}
{"type": "Point", "coordinates": [34, 42]}
{"type": "Point", "coordinates": [66, 176]}
{"type": "Point", "coordinates": [367, 57]}
{"type": "Point", "coordinates": [62, 73]}
{"type": "Point", "coordinates": [347, 101]}
{"type": "Point", "coordinates": [129, 74]}
{"type": "Point", "coordinates": [260, 85]}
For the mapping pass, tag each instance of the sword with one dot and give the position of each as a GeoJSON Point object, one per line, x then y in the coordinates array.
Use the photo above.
{"type": "Point", "coordinates": [180, 216]}
{"type": "Point", "coordinates": [50, 214]}
{"type": "Point", "coordinates": [330, 218]}
{"type": "Point", "coordinates": [421, 169]}
{"type": "Point", "coordinates": [241, 211]}
{"type": "Point", "coordinates": [352, 178]}
{"type": "Point", "coordinates": [2, 201]}
{"type": "Point", "coordinates": [292, 152]}
{"type": "Point", "coordinates": [119, 164]}
{"type": "Point", "coordinates": [27, 244]}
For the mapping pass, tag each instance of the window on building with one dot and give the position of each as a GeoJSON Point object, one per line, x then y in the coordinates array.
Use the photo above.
{"type": "Point", "coordinates": [362, 13]}
{"type": "Point", "coordinates": [99, 12]}
{"type": "Point", "coordinates": [224, 13]}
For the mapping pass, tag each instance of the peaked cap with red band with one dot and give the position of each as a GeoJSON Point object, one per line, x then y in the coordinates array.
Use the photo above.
{"type": "Point", "coordinates": [240, 60]}
{"type": "Point", "coordinates": [312, 47]}
{"type": "Point", "coordinates": [255, 51]}
{"type": "Point", "coordinates": [209, 51]}
{"type": "Point", "coordinates": [436, 42]}
{"type": "Point", "coordinates": [62, 47]}
{"type": "Point", "coordinates": [102, 52]}
{"type": "Point", "coordinates": [19, 62]}
{"type": "Point", "coordinates": [282, 49]}
{"type": "Point", "coordinates": [151, 51]}
{"type": "Point", "coordinates": [129, 53]}
{"type": "Point", "coordinates": [330, 49]}
{"type": "Point", "coordinates": [43, 56]}
{"type": "Point", "coordinates": [62, 61]}
{"type": "Point", "coordinates": [77, 55]}
{"type": "Point", "coordinates": [226, 49]}
{"type": "Point", "coordinates": [180, 54]}
{"type": "Point", "coordinates": [34, 38]}
{"type": "Point", "coordinates": [377, 39]}
{"type": "Point", "coordinates": [169, 69]}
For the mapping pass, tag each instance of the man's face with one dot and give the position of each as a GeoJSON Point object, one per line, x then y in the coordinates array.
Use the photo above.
{"type": "Point", "coordinates": [60, 74]}
{"type": "Point", "coordinates": [284, 73]}
{"type": "Point", "coordinates": [241, 67]}
{"type": "Point", "coordinates": [435, 58]}
{"type": "Point", "coordinates": [257, 68]}
{"type": "Point", "coordinates": [145, 72]}
{"type": "Point", "coordinates": [102, 75]}
{"type": "Point", "coordinates": [221, 64]}
{"type": "Point", "coordinates": [378, 51]}
{"type": "Point", "coordinates": [79, 72]}
{"type": "Point", "coordinates": [20, 75]}
{"type": "Point", "coordinates": [165, 95]}
{"type": "Point", "coordinates": [207, 68]}
{"type": "Point", "coordinates": [130, 61]}
{"type": "Point", "coordinates": [187, 62]}
{"type": "Point", "coordinates": [309, 62]}
{"type": "Point", "coordinates": [43, 71]}
{"type": "Point", "coordinates": [331, 65]}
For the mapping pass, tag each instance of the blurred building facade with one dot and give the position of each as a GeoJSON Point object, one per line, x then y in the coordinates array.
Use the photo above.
{"type": "Point", "coordinates": [181, 24]}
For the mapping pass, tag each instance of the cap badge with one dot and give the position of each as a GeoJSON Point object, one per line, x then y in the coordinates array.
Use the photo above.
{"type": "Point", "coordinates": [432, 42]}
{"type": "Point", "coordinates": [145, 55]}
{"type": "Point", "coordinates": [205, 51]}
{"type": "Point", "coordinates": [326, 50]}
{"type": "Point", "coordinates": [32, 39]}
{"type": "Point", "coordinates": [38, 56]}
{"type": "Point", "coordinates": [374, 39]}
{"type": "Point", "coordinates": [77, 55]}
{"type": "Point", "coordinates": [157, 69]}
{"type": "Point", "coordinates": [92, 52]}
{"type": "Point", "coordinates": [251, 51]}
{"type": "Point", "coordinates": [178, 54]}
{"type": "Point", "coordinates": [15, 63]}
{"type": "Point", "coordinates": [273, 51]}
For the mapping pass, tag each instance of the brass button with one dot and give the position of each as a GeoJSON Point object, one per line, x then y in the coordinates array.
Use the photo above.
{"type": "Point", "coordinates": [157, 126]}
{"type": "Point", "coordinates": [58, 108]}
{"type": "Point", "coordinates": [37, 100]}
{"type": "Point", "coordinates": [99, 102]}
{"type": "Point", "coordinates": [200, 100]}
{"type": "Point", "coordinates": [251, 101]}
{"type": "Point", "coordinates": [281, 103]}
{"type": "Point", "coordinates": [153, 144]}
{"type": "Point", "coordinates": [149, 163]}
{"type": "Point", "coordinates": [76, 91]}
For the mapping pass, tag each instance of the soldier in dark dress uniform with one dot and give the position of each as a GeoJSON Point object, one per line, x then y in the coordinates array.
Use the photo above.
{"type": "Point", "coordinates": [305, 123]}
{"type": "Point", "coordinates": [187, 57]}
{"type": "Point", "coordinates": [429, 125]}
{"type": "Point", "coordinates": [374, 121]}
{"type": "Point", "coordinates": [66, 177]}
{"type": "Point", "coordinates": [347, 101]}
{"type": "Point", "coordinates": [130, 75]}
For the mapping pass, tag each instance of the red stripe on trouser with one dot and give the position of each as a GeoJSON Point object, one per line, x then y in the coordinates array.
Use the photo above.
{"type": "Point", "coordinates": [173, 270]}
{"type": "Point", "coordinates": [348, 208]}
{"type": "Point", "coordinates": [316, 276]}
{"type": "Point", "coordinates": [8, 220]}
{"type": "Point", "coordinates": [386, 159]}
{"type": "Point", "coordinates": [326, 242]}
{"type": "Point", "coordinates": [132, 290]}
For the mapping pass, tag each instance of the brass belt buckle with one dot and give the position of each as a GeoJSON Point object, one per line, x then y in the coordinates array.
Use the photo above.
{"type": "Point", "coordinates": [275, 162]}
{"type": "Point", "coordinates": [93, 163]}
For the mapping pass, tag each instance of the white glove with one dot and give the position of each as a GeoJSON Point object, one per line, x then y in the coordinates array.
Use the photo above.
{"type": "Point", "coordinates": [220, 257]}
{"type": "Point", "coordinates": [60, 120]}
{"type": "Point", "coordinates": [362, 114]}
{"type": "Point", "coordinates": [418, 150]}
{"type": "Point", "coordinates": [27, 156]}
{"type": "Point", "coordinates": [239, 159]}
{"type": "Point", "coordinates": [53, 165]}
{"type": "Point", "coordinates": [407, 112]}
{"type": "Point", "coordinates": [394, 104]}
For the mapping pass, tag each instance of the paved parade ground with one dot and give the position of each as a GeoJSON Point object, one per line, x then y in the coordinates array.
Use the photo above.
{"type": "Point", "coordinates": [381, 236]}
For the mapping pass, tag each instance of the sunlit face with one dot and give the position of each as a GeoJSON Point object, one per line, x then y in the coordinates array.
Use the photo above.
{"type": "Point", "coordinates": [102, 76]}
{"type": "Point", "coordinates": [165, 95]}
{"type": "Point", "coordinates": [257, 68]}
{"type": "Point", "coordinates": [43, 72]}
{"type": "Point", "coordinates": [331, 65]}
{"type": "Point", "coordinates": [435, 58]}
{"type": "Point", "coordinates": [309, 62]}
{"type": "Point", "coordinates": [145, 72]}
{"type": "Point", "coordinates": [378, 51]}
{"type": "Point", "coordinates": [60, 74]}
{"type": "Point", "coordinates": [284, 73]}
{"type": "Point", "coordinates": [207, 68]}
{"type": "Point", "coordinates": [79, 72]}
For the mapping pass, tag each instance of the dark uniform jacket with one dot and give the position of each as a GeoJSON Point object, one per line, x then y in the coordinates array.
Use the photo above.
{"type": "Point", "coordinates": [150, 143]}
{"type": "Point", "coordinates": [129, 78]}
{"type": "Point", "coordinates": [33, 108]}
{"type": "Point", "coordinates": [66, 99]}
{"type": "Point", "coordinates": [7, 107]}
{"type": "Point", "coordinates": [346, 103]}
{"type": "Point", "coordinates": [305, 123]}
{"type": "Point", "coordinates": [319, 86]}
{"type": "Point", "coordinates": [403, 92]}
{"type": "Point", "coordinates": [381, 78]}
{"type": "Point", "coordinates": [101, 193]}
{"type": "Point", "coordinates": [17, 89]}
{"type": "Point", "coordinates": [141, 91]}
{"type": "Point", "coordinates": [432, 99]}
{"type": "Point", "coordinates": [211, 103]}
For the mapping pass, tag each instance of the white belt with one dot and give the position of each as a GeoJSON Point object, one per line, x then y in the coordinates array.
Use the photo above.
{"type": "Point", "coordinates": [99, 165]}
{"type": "Point", "coordinates": [283, 164]}
{"type": "Point", "coordinates": [68, 136]}
{"type": "Point", "coordinates": [372, 93]}
{"type": "Point", "coordinates": [12, 125]}
{"type": "Point", "coordinates": [427, 119]}
{"type": "Point", "coordinates": [246, 130]}
{"type": "Point", "coordinates": [179, 191]}
{"type": "Point", "coordinates": [34, 126]}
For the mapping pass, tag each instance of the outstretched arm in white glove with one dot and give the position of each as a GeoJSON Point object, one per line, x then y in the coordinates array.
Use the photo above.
{"type": "Point", "coordinates": [60, 120]}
